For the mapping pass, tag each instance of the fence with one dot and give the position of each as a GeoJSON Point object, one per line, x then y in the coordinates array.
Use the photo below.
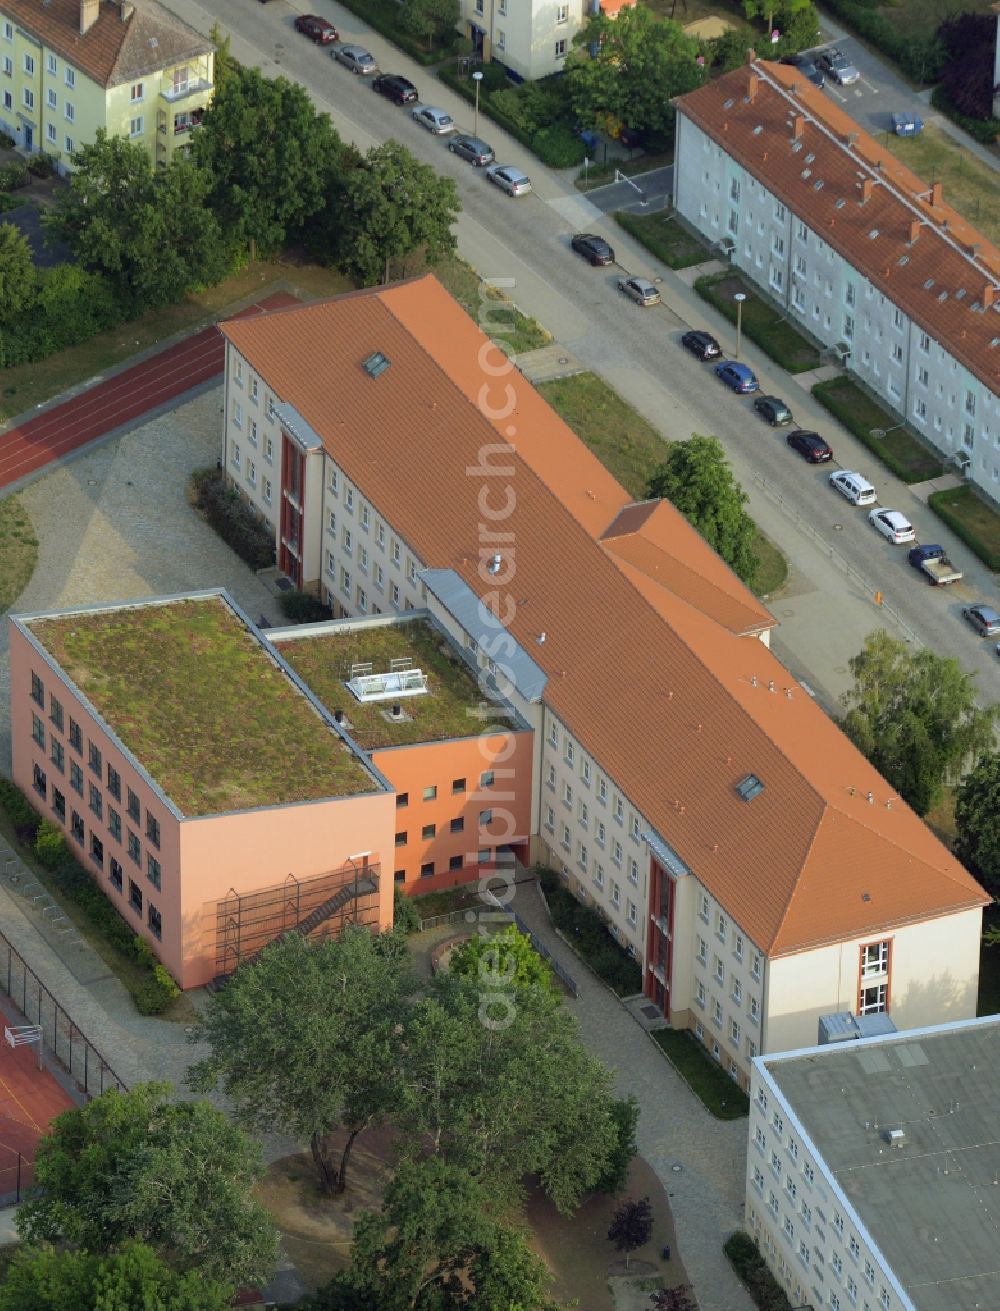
{"type": "Point", "coordinates": [17, 1174]}
{"type": "Point", "coordinates": [60, 1034]}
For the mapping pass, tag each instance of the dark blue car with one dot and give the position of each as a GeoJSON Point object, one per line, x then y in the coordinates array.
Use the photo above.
{"type": "Point", "coordinates": [737, 376]}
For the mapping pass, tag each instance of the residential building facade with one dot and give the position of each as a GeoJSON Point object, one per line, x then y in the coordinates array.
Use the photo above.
{"type": "Point", "coordinates": [870, 1173]}
{"type": "Point", "coordinates": [864, 255]}
{"type": "Point", "coordinates": [683, 783]}
{"type": "Point", "coordinates": [71, 67]}
{"type": "Point", "coordinates": [530, 38]}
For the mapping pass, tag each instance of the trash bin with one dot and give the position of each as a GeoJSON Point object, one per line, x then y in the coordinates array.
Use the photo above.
{"type": "Point", "coordinates": [666, 1252]}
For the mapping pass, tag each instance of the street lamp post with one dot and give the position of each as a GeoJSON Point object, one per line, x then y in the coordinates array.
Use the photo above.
{"type": "Point", "coordinates": [739, 298]}
{"type": "Point", "coordinates": [477, 77]}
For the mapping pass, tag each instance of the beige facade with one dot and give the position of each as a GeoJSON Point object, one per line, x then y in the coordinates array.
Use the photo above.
{"type": "Point", "coordinates": [530, 37]}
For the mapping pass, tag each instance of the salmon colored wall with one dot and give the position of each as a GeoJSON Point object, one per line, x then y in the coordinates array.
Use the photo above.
{"type": "Point", "coordinates": [251, 850]}
{"type": "Point", "coordinates": [412, 768]}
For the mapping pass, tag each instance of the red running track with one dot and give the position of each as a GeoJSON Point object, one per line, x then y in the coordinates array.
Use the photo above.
{"type": "Point", "coordinates": [128, 395]}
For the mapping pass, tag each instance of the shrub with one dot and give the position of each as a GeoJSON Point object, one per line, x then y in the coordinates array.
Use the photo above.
{"type": "Point", "coordinates": [558, 146]}
{"type": "Point", "coordinates": [20, 811]}
{"type": "Point", "coordinates": [42, 165]}
{"type": "Point", "coordinates": [13, 175]}
{"type": "Point", "coordinates": [984, 130]}
{"type": "Point", "coordinates": [586, 930]}
{"type": "Point", "coordinates": [72, 305]}
{"type": "Point", "coordinates": [303, 607]}
{"type": "Point", "coordinates": [405, 916]}
{"type": "Point", "coordinates": [7, 142]}
{"type": "Point", "coordinates": [765, 1291]}
{"type": "Point", "coordinates": [154, 995]}
{"type": "Point", "coordinates": [232, 518]}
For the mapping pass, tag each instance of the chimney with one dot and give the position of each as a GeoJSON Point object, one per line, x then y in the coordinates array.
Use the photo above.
{"type": "Point", "coordinates": [989, 295]}
{"type": "Point", "coordinates": [752, 86]}
{"type": "Point", "coordinates": [798, 127]}
{"type": "Point", "coordinates": [867, 190]}
{"type": "Point", "coordinates": [914, 230]}
{"type": "Point", "coordinates": [936, 193]}
{"type": "Point", "coordinates": [89, 13]}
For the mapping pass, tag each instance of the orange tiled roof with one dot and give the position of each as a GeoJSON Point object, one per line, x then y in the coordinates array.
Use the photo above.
{"type": "Point", "coordinates": [120, 46]}
{"type": "Point", "coordinates": [652, 678]}
{"type": "Point", "coordinates": [888, 223]}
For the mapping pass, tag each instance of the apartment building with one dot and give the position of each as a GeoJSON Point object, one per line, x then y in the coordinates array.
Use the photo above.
{"type": "Point", "coordinates": [70, 67]}
{"type": "Point", "coordinates": [872, 1169]}
{"type": "Point", "coordinates": [859, 251]}
{"type": "Point", "coordinates": [684, 783]}
{"type": "Point", "coordinates": [530, 38]}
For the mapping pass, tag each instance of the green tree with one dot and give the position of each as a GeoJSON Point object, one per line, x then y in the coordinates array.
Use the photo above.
{"type": "Point", "coordinates": [696, 477]}
{"type": "Point", "coordinates": [914, 715]}
{"type": "Point", "coordinates": [176, 1176]}
{"type": "Point", "coordinates": [481, 1060]}
{"type": "Point", "coordinates": [501, 960]}
{"type": "Point", "coordinates": [977, 820]}
{"type": "Point", "coordinates": [631, 1227]}
{"type": "Point", "coordinates": [729, 50]}
{"type": "Point", "coordinates": [393, 206]}
{"type": "Point", "coordinates": [225, 64]}
{"type": "Point", "coordinates": [18, 283]}
{"type": "Point", "coordinates": [641, 61]}
{"type": "Point", "coordinates": [430, 19]}
{"type": "Point", "coordinates": [270, 157]}
{"type": "Point", "coordinates": [306, 1040]}
{"type": "Point", "coordinates": [134, 1279]}
{"type": "Point", "coordinates": [625, 1116]}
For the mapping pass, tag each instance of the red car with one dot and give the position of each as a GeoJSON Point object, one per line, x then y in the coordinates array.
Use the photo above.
{"type": "Point", "coordinates": [316, 29]}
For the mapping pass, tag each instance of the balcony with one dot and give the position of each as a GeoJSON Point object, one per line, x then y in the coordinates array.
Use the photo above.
{"type": "Point", "coordinates": [177, 91]}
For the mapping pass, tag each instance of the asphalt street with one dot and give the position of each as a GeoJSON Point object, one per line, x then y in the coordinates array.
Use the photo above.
{"type": "Point", "coordinates": [837, 562]}
{"type": "Point", "coordinates": [643, 194]}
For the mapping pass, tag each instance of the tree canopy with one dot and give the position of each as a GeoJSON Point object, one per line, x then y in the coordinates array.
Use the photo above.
{"type": "Point", "coordinates": [640, 62]}
{"type": "Point", "coordinates": [967, 76]}
{"type": "Point", "coordinates": [631, 1226]}
{"type": "Point", "coordinates": [306, 1040]}
{"type": "Point", "coordinates": [429, 19]}
{"type": "Point", "coordinates": [502, 960]}
{"type": "Point", "coordinates": [977, 819]}
{"type": "Point", "coordinates": [133, 1279]}
{"type": "Point", "coordinates": [697, 478]}
{"type": "Point", "coordinates": [176, 1176]}
{"type": "Point", "coordinates": [17, 272]}
{"type": "Point", "coordinates": [914, 715]}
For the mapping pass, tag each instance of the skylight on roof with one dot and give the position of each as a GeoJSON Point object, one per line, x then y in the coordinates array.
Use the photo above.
{"type": "Point", "coordinates": [807, 173]}
{"type": "Point", "coordinates": [995, 341]}
{"type": "Point", "coordinates": [841, 204]}
{"type": "Point", "coordinates": [728, 104]}
{"type": "Point", "coordinates": [943, 296]}
{"type": "Point", "coordinates": [810, 157]}
{"type": "Point", "coordinates": [904, 259]}
{"type": "Point", "coordinates": [960, 294]}
{"type": "Point", "coordinates": [375, 364]}
{"type": "Point", "coordinates": [928, 284]}
{"type": "Point", "coordinates": [750, 787]}
{"type": "Point", "coordinates": [873, 234]}
{"type": "Point", "coordinates": [758, 130]}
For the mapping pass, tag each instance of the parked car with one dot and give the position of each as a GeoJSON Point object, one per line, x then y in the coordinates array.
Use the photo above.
{"type": "Point", "coordinates": [837, 66]}
{"type": "Point", "coordinates": [316, 29]}
{"type": "Point", "coordinates": [892, 524]}
{"type": "Point", "coordinates": [400, 90]}
{"type": "Point", "coordinates": [593, 247]}
{"type": "Point", "coordinates": [509, 179]}
{"type": "Point", "coordinates": [772, 410]}
{"type": "Point", "coordinates": [472, 149]}
{"type": "Point", "coordinates": [934, 565]}
{"type": "Point", "coordinates": [854, 487]}
{"type": "Point", "coordinates": [737, 376]}
{"type": "Point", "coordinates": [810, 445]}
{"type": "Point", "coordinates": [983, 618]}
{"type": "Point", "coordinates": [806, 65]}
{"type": "Point", "coordinates": [433, 119]}
{"type": "Point", "coordinates": [702, 344]}
{"type": "Point", "coordinates": [641, 290]}
{"type": "Point", "coordinates": [356, 58]}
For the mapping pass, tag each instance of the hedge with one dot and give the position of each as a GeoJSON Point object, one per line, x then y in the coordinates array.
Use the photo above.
{"type": "Point", "coordinates": [984, 130]}
{"type": "Point", "coordinates": [232, 518]}
{"type": "Point", "coordinates": [13, 175]}
{"type": "Point", "coordinates": [555, 144]}
{"type": "Point", "coordinates": [941, 503]}
{"type": "Point", "coordinates": [584, 927]}
{"type": "Point", "coordinates": [923, 467]}
{"type": "Point", "coordinates": [303, 607]}
{"type": "Point", "coordinates": [762, 324]}
{"type": "Point", "coordinates": [920, 57]}
{"type": "Point", "coordinates": [745, 1258]}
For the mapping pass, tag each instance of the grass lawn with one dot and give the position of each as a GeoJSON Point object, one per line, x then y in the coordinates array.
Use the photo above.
{"type": "Point", "coordinates": [975, 522]}
{"type": "Point", "coordinates": [193, 696]}
{"type": "Point", "coordinates": [508, 326]}
{"type": "Point", "coordinates": [761, 322]}
{"type": "Point", "coordinates": [28, 385]}
{"type": "Point", "coordinates": [706, 1078]}
{"type": "Point", "coordinates": [666, 238]}
{"type": "Point", "coordinates": [18, 551]}
{"type": "Point", "coordinates": [971, 186]}
{"type": "Point", "coordinates": [630, 448]}
{"type": "Point", "coordinates": [446, 710]}
{"type": "Point", "coordinates": [445, 900]}
{"type": "Point", "coordinates": [599, 175]}
{"type": "Point", "coordinates": [899, 449]}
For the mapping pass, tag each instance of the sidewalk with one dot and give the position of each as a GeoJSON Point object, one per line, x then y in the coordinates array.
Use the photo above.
{"type": "Point", "coordinates": [700, 1161]}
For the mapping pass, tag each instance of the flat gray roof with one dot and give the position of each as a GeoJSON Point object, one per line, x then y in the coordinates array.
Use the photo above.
{"type": "Point", "coordinates": [930, 1203]}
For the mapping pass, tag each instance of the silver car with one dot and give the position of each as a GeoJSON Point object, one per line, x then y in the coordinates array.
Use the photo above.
{"type": "Point", "coordinates": [641, 290]}
{"type": "Point", "coordinates": [356, 58]}
{"type": "Point", "coordinates": [473, 149]}
{"type": "Point", "coordinates": [509, 179]}
{"type": "Point", "coordinates": [835, 64]}
{"type": "Point", "coordinates": [434, 120]}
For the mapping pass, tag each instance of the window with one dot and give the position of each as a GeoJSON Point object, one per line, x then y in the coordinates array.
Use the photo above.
{"type": "Point", "coordinates": [116, 874]}
{"type": "Point", "coordinates": [855, 1247]}
{"type": "Point", "coordinates": [37, 690]}
{"type": "Point", "coordinates": [601, 833]}
{"type": "Point", "coordinates": [50, 100]}
{"type": "Point", "coordinates": [897, 319]}
{"type": "Point", "coordinates": [616, 853]}
{"type": "Point", "coordinates": [96, 801]}
{"type": "Point", "coordinates": [255, 391]}
{"type": "Point", "coordinates": [38, 730]}
{"type": "Point", "coordinates": [631, 912]}
{"type": "Point", "coordinates": [401, 839]}
{"type": "Point", "coordinates": [486, 779]}
{"type": "Point", "coordinates": [721, 926]}
{"type": "Point", "coordinates": [874, 959]}
{"type": "Point", "coordinates": [114, 783]}
{"type": "Point", "coordinates": [754, 1010]}
{"type": "Point", "coordinates": [134, 850]}
{"type": "Point", "coordinates": [69, 111]}
{"type": "Point", "coordinates": [457, 825]}
{"type": "Point", "coordinates": [8, 31]}
{"type": "Point", "coordinates": [704, 908]}
{"type": "Point", "coordinates": [809, 1173]}
{"type": "Point", "coordinates": [717, 1016]}
{"type": "Point", "coordinates": [599, 876]}
{"type": "Point", "coordinates": [133, 806]}
{"type": "Point", "coordinates": [135, 896]}
{"type": "Point", "coordinates": [155, 921]}
{"type": "Point", "coordinates": [720, 971]}
{"type": "Point", "coordinates": [755, 966]}
{"type": "Point", "coordinates": [633, 873]}
{"type": "Point", "coordinates": [561, 46]}
{"type": "Point", "coordinates": [619, 810]}
{"type": "Point", "coordinates": [97, 851]}
{"type": "Point", "coordinates": [777, 245]}
{"type": "Point", "coordinates": [883, 1297]}
{"type": "Point", "coordinates": [779, 213]}
{"type": "Point", "coordinates": [38, 781]}
{"type": "Point", "coordinates": [76, 777]}
{"type": "Point", "coordinates": [251, 473]}
{"type": "Point", "coordinates": [793, 1149]}
{"type": "Point", "coordinates": [268, 449]}
{"type": "Point", "coordinates": [115, 823]}
{"type": "Point", "coordinates": [94, 758]}
{"type": "Point", "coordinates": [135, 126]}
{"type": "Point", "coordinates": [602, 791]}
{"type": "Point", "coordinates": [870, 1274]}
{"type": "Point", "coordinates": [427, 870]}
{"type": "Point", "coordinates": [615, 894]}
{"type": "Point", "coordinates": [699, 994]}
{"type": "Point", "coordinates": [58, 755]}
{"type": "Point", "coordinates": [734, 1033]}
{"type": "Point", "coordinates": [59, 803]}
{"type": "Point", "coordinates": [153, 872]}
{"type": "Point", "coordinates": [897, 353]}
{"type": "Point", "coordinates": [362, 600]}
{"type": "Point", "coordinates": [852, 1288]}
{"type": "Point", "coordinates": [29, 65]}
{"type": "Point", "coordinates": [779, 1124]}
{"type": "Point", "coordinates": [348, 543]}
{"type": "Point", "coordinates": [76, 826]}
{"type": "Point", "coordinates": [873, 1000]}
{"type": "Point", "coordinates": [135, 92]}
{"type": "Point", "coordinates": [702, 951]}
{"type": "Point", "coordinates": [836, 1260]}
{"type": "Point", "coordinates": [428, 831]}
{"type": "Point", "coordinates": [430, 793]}
{"type": "Point", "coordinates": [737, 990]}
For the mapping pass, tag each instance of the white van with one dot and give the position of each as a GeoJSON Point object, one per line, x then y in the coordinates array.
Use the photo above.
{"type": "Point", "coordinates": [854, 486]}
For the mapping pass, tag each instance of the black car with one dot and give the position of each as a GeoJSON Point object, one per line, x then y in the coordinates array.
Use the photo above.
{"type": "Point", "coordinates": [810, 445]}
{"type": "Point", "coordinates": [399, 90]}
{"type": "Point", "coordinates": [773, 410]}
{"type": "Point", "coordinates": [807, 67]}
{"type": "Point", "coordinates": [702, 344]}
{"type": "Point", "coordinates": [594, 248]}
